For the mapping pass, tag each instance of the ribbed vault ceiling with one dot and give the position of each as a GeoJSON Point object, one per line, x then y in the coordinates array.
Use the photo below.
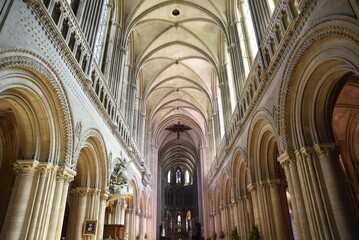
{"type": "Point", "coordinates": [177, 59]}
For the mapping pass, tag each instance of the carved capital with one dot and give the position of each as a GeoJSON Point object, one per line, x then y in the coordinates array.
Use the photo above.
{"type": "Point", "coordinates": [80, 191]}
{"type": "Point", "coordinates": [326, 151]}
{"type": "Point", "coordinates": [306, 153]}
{"type": "Point", "coordinates": [45, 168]}
{"type": "Point", "coordinates": [104, 195]}
{"type": "Point", "coordinates": [231, 46]}
{"type": "Point", "coordinates": [286, 159]}
{"type": "Point", "coordinates": [93, 191]}
{"type": "Point", "coordinates": [252, 187]}
{"type": "Point", "coordinates": [25, 167]}
{"type": "Point", "coordinates": [65, 174]}
{"type": "Point", "coordinates": [272, 183]}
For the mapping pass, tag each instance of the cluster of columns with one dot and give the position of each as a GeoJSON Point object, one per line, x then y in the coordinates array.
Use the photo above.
{"type": "Point", "coordinates": [117, 213]}
{"type": "Point", "coordinates": [38, 200]}
{"type": "Point", "coordinates": [320, 204]}
{"type": "Point", "coordinates": [236, 215]}
{"type": "Point", "coordinates": [137, 222]}
{"type": "Point", "coordinates": [271, 212]}
{"type": "Point", "coordinates": [87, 203]}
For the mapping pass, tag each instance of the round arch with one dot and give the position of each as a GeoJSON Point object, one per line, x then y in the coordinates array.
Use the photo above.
{"type": "Point", "coordinates": [35, 127]}
{"type": "Point", "coordinates": [315, 53]}
{"type": "Point", "coordinates": [35, 77]}
{"type": "Point", "coordinates": [91, 148]}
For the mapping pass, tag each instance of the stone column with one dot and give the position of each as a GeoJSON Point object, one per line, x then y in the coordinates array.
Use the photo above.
{"type": "Point", "coordinates": [264, 210]}
{"type": "Point", "coordinates": [43, 201]}
{"type": "Point", "coordinates": [277, 209]}
{"type": "Point", "coordinates": [68, 176]}
{"type": "Point", "coordinates": [55, 212]}
{"type": "Point", "coordinates": [228, 222]}
{"type": "Point", "coordinates": [78, 213]}
{"type": "Point", "coordinates": [234, 210]}
{"type": "Point", "coordinates": [345, 221]}
{"type": "Point", "coordinates": [137, 220]}
{"type": "Point", "coordinates": [248, 208]}
{"type": "Point", "coordinates": [211, 227]}
{"type": "Point", "coordinates": [63, 177]}
{"type": "Point", "coordinates": [288, 162]}
{"type": "Point", "coordinates": [123, 209]}
{"type": "Point", "coordinates": [116, 212]}
{"type": "Point", "coordinates": [127, 223]}
{"type": "Point", "coordinates": [223, 219]}
{"type": "Point", "coordinates": [144, 226]}
{"type": "Point", "coordinates": [21, 200]}
{"type": "Point", "coordinates": [253, 189]}
{"type": "Point", "coordinates": [131, 223]}
{"type": "Point", "coordinates": [242, 221]}
{"type": "Point", "coordinates": [313, 195]}
{"type": "Point", "coordinates": [101, 214]}
{"type": "Point", "coordinates": [217, 218]}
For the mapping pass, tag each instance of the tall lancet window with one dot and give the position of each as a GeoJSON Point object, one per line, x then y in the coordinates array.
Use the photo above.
{"type": "Point", "coordinates": [100, 38]}
{"type": "Point", "coordinates": [186, 178]}
{"type": "Point", "coordinates": [169, 177]}
{"type": "Point", "coordinates": [179, 222]}
{"type": "Point", "coordinates": [178, 176]}
{"type": "Point", "coordinates": [251, 36]}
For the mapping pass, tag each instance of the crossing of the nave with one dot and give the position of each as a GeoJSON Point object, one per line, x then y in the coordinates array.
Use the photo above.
{"type": "Point", "coordinates": [179, 119]}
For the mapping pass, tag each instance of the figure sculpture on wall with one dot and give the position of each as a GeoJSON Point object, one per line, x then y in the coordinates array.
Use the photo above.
{"type": "Point", "coordinates": [119, 186]}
